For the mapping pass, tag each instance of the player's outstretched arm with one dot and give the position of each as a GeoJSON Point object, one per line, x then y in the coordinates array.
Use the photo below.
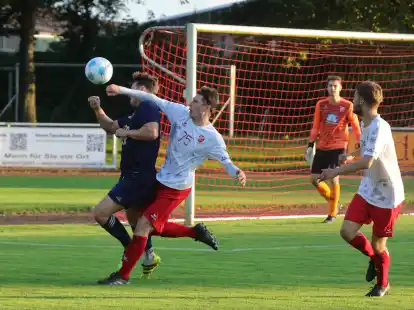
{"type": "Point", "coordinates": [172, 110]}
{"type": "Point", "coordinates": [220, 154]}
{"type": "Point", "coordinates": [106, 123]}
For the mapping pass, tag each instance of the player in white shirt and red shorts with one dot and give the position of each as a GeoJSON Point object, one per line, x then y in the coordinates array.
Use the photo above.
{"type": "Point", "coordinates": [381, 191]}
{"type": "Point", "coordinates": [193, 139]}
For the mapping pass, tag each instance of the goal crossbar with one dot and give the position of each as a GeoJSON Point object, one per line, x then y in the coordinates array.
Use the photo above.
{"type": "Point", "coordinates": [301, 33]}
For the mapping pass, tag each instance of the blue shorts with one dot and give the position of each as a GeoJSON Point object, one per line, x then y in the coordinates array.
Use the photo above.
{"type": "Point", "coordinates": [132, 192]}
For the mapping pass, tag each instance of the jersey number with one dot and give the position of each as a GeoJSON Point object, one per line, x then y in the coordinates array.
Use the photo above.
{"type": "Point", "coordinates": [186, 137]}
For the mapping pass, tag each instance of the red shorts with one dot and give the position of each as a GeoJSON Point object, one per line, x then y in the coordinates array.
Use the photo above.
{"type": "Point", "coordinates": [361, 212]}
{"type": "Point", "coordinates": [166, 200]}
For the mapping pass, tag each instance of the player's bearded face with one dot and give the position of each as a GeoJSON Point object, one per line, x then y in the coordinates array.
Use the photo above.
{"type": "Point", "coordinates": [357, 104]}
{"type": "Point", "coordinates": [134, 101]}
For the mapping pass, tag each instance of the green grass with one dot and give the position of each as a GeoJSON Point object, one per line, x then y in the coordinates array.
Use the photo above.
{"type": "Point", "coordinates": [291, 264]}
{"type": "Point", "coordinates": [36, 194]}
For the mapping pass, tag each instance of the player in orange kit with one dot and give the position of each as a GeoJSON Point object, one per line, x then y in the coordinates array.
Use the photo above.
{"type": "Point", "coordinates": [330, 127]}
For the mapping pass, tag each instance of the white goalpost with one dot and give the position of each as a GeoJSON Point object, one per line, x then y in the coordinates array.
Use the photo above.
{"type": "Point", "coordinates": [271, 56]}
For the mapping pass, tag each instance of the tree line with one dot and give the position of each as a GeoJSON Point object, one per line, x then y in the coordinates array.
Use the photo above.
{"type": "Point", "coordinates": [88, 30]}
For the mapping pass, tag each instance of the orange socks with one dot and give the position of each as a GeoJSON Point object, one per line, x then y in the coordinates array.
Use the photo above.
{"type": "Point", "coordinates": [331, 195]}
{"type": "Point", "coordinates": [324, 190]}
{"type": "Point", "coordinates": [334, 200]}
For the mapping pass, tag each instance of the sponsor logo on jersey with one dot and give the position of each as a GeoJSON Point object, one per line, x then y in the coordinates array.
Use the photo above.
{"type": "Point", "coordinates": [332, 118]}
{"type": "Point", "coordinates": [201, 139]}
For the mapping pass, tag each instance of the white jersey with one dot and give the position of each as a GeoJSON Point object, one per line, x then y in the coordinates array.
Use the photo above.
{"type": "Point", "coordinates": [189, 145]}
{"type": "Point", "coordinates": [381, 185]}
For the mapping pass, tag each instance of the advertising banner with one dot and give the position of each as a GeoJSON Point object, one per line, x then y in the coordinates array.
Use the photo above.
{"type": "Point", "coordinates": [52, 147]}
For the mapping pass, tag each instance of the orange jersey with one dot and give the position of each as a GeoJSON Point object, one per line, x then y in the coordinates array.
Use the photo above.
{"type": "Point", "coordinates": [330, 124]}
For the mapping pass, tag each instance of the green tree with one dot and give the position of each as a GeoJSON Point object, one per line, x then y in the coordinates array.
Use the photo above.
{"type": "Point", "coordinates": [379, 16]}
{"type": "Point", "coordinates": [24, 12]}
{"type": "Point", "coordinates": [362, 15]}
{"type": "Point", "coordinates": [84, 19]}
{"type": "Point", "coordinates": [90, 30]}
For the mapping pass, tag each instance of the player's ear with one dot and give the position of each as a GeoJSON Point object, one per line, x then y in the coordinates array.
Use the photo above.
{"type": "Point", "coordinates": [213, 111]}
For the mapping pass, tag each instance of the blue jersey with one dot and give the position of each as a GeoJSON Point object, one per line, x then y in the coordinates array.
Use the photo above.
{"type": "Point", "coordinates": [139, 156]}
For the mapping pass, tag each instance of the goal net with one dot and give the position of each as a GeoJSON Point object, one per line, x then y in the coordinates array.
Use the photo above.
{"type": "Point", "coordinates": [269, 81]}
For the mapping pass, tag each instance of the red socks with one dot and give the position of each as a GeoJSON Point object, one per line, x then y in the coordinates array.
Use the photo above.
{"type": "Point", "coordinates": [382, 262]}
{"type": "Point", "coordinates": [136, 248]}
{"type": "Point", "coordinates": [174, 230]}
{"type": "Point", "coordinates": [132, 254]}
{"type": "Point", "coordinates": [361, 243]}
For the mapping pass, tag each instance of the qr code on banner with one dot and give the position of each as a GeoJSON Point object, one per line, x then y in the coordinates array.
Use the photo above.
{"type": "Point", "coordinates": [18, 141]}
{"type": "Point", "coordinates": [95, 143]}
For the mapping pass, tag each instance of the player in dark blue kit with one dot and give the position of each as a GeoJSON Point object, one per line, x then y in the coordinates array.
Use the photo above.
{"type": "Point", "coordinates": [139, 132]}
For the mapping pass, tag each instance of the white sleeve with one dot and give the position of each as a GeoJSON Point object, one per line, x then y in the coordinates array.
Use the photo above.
{"type": "Point", "coordinates": [375, 141]}
{"type": "Point", "coordinates": [173, 111]}
{"type": "Point", "coordinates": [220, 154]}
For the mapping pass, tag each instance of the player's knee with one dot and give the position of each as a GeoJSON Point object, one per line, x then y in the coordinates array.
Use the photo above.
{"type": "Point", "coordinates": [378, 248]}
{"type": "Point", "coordinates": [343, 233]}
{"type": "Point", "coordinates": [347, 233]}
{"type": "Point", "coordinates": [335, 180]}
{"type": "Point", "coordinates": [99, 215]}
{"type": "Point", "coordinates": [102, 211]}
{"type": "Point", "coordinates": [314, 180]}
{"type": "Point", "coordinates": [379, 245]}
{"type": "Point", "coordinates": [144, 227]}
{"type": "Point", "coordinates": [349, 230]}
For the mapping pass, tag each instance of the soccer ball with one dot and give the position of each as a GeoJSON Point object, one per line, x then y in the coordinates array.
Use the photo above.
{"type": "Point", "coordinates": [99, 70]}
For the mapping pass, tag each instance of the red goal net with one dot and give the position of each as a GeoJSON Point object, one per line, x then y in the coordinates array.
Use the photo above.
{"type": "Point", "coordinates": [278, 82]}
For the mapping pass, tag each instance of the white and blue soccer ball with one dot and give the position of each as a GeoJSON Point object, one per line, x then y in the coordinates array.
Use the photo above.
{"type": "Point", "coordinates": [99, 70]}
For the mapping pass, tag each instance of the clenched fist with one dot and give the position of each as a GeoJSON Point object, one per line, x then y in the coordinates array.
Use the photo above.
{"type": "Point", "coordinates": [94, 102]}
{"type": "Point", "coordinates": [112, 90]}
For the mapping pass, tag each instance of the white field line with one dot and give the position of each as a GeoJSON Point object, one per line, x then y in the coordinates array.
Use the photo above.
{"type": "Point", "coordinates": [239, 218]}
{"type": "Point", "coordinates": [270, 217]}
{"type": "Point", "coordinates": [281, 248]}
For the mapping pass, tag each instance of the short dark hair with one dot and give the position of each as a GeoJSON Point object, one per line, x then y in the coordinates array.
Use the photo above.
{"type": "Point", "coordinates": [334, 78]}
{"type": "Point", "coordinates": [150, 82]}
{"type": "Point", "coordinates": [210, 95]}
{"type": "Point", "coordinates": [370, 92]}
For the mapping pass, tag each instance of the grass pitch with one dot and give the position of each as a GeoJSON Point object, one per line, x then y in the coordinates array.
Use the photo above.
{"type": "Point", "coordinates": [42, 194]}
{"type": "Point", "coordinates": [268, 264]}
